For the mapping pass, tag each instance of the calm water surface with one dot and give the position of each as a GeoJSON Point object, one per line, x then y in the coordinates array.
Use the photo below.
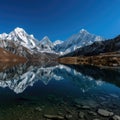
{"type": "Point", "coordinates": [32, 91]}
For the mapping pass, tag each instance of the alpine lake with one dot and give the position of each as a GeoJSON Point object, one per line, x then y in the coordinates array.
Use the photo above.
{"type": "Point", "coordinates": [52, 91]}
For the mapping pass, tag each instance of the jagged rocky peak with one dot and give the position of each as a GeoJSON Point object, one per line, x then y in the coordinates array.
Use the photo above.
{"type": "Point", "coordinates": [19, 32]}
{"type": "Point", "coordinates": [21, 36]}
{"type": "Point", "coordinates": [46, 44]}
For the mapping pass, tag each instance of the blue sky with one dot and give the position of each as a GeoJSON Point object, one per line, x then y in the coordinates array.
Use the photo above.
{"type": "Point", "coordinates": [59, 19]}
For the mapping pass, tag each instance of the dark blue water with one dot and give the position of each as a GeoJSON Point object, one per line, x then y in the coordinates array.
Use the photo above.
{"type": "Point", "coordinates": [31, 91]}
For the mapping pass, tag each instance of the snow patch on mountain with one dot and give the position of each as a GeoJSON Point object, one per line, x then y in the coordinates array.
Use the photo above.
{"type": "Point", "coordinates": [57, 42]}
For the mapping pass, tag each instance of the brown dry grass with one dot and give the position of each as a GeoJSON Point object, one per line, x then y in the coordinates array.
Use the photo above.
{"type": "Point", "coordinates": [106, 59]}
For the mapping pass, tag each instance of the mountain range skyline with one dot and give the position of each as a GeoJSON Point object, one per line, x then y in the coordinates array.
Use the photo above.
{"type": "Point", "coordinates": [19, 44]}
{"type": "Point", "coordinates": [56, 41]}
{"type": "Point", "coordinates": [20, 37]}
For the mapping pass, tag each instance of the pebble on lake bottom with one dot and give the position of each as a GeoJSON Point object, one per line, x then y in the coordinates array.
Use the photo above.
{"type": "Point", "coordinates": [105, 113]}
{"type": "Point", "coordinates": [116, 117]}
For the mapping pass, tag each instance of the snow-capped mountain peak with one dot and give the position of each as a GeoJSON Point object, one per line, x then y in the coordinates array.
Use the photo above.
{"type": "Point", "coordinates": [84, 31]}
{"type": "Point", "coordinates": [3, 35]}
{"type": "Point", "coordinates": [81, 39]}
{"type": "Point", "coordinates": [17, 30]}
{"type": "Point", "coordinates": [32, 36]}
{"type": "Point", "coordinates": [45, 37]}
{"type": "Point", "coordinates": [46, 45]}
{"type": "Point", "coordinates": [46, 40]}
{"type": "Point", "coordinates": [23, 38]}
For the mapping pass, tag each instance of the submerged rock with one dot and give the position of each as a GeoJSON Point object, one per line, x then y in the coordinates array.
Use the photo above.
{"type": "Point", "coordinates": [114, 95]}
{"type": "Point", "coordinates": [38, 109]}
{"type": "Point", "coordinates": [96, 119]}
{"type": "Point", "coordinates": [83, 106]}
{"type": "Point", "coordinates": [60, 113]}
{"type": "Point", "coordinates": [116, 117]}
{"type": "Point", "coordinates": [102, 98]}
{"type": "Point", "coordinates": [81, 115]}
{"type": "Point", "coordinates": [105, 113]}
{"type": "Point", "coordinates": [68, 116]}
{"type": "Point", "coordinates": [84, 102]}
{"type": "Point", "coordinates": [54, 117]}
{"type": "Point", "coordinates": [92, 113]}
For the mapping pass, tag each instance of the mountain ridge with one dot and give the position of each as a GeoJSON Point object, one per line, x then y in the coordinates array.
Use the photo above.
{"type": "Point", "coordinates": [98, 47]}
{"type": "Point", "coordinates": [81, 39]}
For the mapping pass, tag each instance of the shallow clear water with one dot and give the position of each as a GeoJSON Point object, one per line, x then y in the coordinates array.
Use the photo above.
{"type": "Point", "coordinates": [31, 91]}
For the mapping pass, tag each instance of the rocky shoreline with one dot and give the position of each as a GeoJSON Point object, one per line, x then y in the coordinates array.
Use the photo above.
{"type": "Point", "coordinates": [56, 110]}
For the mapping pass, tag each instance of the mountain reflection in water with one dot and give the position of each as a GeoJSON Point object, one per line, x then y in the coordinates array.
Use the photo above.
{"type": "Point", "coordinates": [19, 77]}
{"type": "Point", "coordinates": [48, 89]}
